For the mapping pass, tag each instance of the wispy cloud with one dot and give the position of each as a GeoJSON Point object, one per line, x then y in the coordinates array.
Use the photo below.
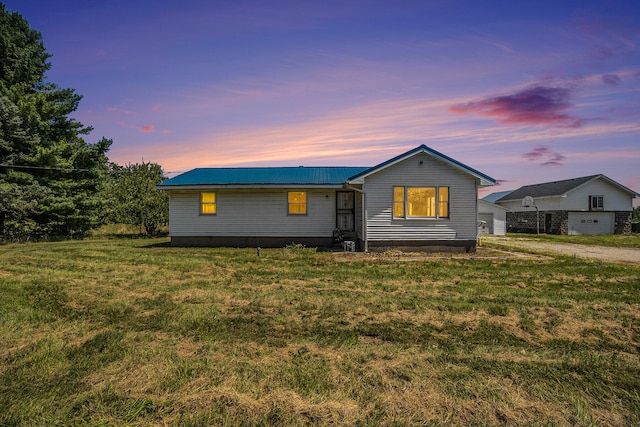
{"type": "Point", "coordinates": [146, 129]}
{"type": "Point", "coordinates": [544, 156]}
{"type": "Point", "coordinates": [365, 135]}
{"type": "Point", "coordinates": [611, 79]}
{"type": "Point", "coordinates": [536, 105]}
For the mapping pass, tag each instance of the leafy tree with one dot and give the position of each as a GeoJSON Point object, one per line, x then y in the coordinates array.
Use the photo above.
{"type": "Point", "coordinates": [49, 176]}
{"type": "Point", "coordinates": [134, 198]}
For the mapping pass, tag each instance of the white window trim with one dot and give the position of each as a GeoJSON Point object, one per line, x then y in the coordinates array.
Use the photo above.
{"type": "Point", "coordinates": [600, 199]}
{"type": "Point", "coordinates": [306, 204]}
{"type": "Point", "coordinates": [406, 203]}
{"type": "Point", "coordinates": [208, 203]}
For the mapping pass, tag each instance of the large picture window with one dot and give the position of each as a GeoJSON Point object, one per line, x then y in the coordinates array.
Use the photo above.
{"type": "Point", "coordinates": [421, 202]}
{"type": "Point", "coordinates": [208, 204]}
{"type": "Point", "coordinates": [297, 202]}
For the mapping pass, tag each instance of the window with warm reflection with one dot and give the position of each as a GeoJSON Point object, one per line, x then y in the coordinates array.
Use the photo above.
{"type": "Point", "coordinates": [297, 202]}
{"type": "Point", "coordinates": [208, 204]}
{"type": "Point", "coordinates": [421, 202]}
{"type": "Point", "coordinates": [443, 202]}
{"type": "Point", "coordinates": [398, 201]}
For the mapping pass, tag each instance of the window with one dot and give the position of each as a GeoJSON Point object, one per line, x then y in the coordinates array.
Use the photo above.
{"type": "Point", "coordinates": [421, 202]}
{"type": "Point", "coordinates": [297, 202]}
{"type": "Point", "coordinates": [443, 202]}
{"type": "Point", "coordinates": [398, 201]}
{"type": "Point", "coordinates": [596, 203]}
{"type": "Point", "coordinates": [208, 204]}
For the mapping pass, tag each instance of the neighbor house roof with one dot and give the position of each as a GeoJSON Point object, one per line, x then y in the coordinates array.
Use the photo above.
{"type": "Point", "coordinates": [491, 198]}
{"type": "Point", "coordinates": [485, 180]}
{"type": "Point", "coordinates": [267, 176]}
{"type": "Point", "coordinates": [559, 188]}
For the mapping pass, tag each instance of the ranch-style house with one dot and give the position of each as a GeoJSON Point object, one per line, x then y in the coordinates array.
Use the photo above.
{"type": "Point", "coordinates": [419, 200]}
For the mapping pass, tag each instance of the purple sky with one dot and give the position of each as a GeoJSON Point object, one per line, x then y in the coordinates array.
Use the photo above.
{"type": "Point", "coordinates": [524, 91]}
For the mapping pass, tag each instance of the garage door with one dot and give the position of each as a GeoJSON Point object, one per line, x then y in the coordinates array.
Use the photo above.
{"type": "Point", "coordinates": [485, 223]}
{"type": "Point", "coordinates": [590, 222]}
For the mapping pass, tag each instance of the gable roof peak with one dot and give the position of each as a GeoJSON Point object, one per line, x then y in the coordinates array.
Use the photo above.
{"type": "Point", "coordinates": [485, 180]}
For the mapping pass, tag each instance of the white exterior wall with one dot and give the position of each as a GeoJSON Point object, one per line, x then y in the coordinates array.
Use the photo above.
{"type": "Point", "coordinates": [462, 223]}
{"type": "Point", "coordinates": [578, 199]}
{"type": "Point", "coordinates": [252, 213]}
{"type": "Point", "coordinates": [498, 215]}
{"type": "Point", "coordinates": [614, 198]}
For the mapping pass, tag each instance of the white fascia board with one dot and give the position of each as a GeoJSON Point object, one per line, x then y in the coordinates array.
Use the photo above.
{"type": "Point", "coordinates": [248, 187]}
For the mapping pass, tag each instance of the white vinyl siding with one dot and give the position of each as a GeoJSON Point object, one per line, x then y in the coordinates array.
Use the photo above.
{"type": "Point", "coordinates": [261, 213]}
{"type": "Point", "coordinates": [496, 214]}
{"type": "Point", "coordinates": [421, 171]}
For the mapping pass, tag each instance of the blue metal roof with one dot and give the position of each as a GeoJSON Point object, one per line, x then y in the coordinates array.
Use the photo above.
{"type": "Point", "coordinates": [301, 175]}
{"type": "Point", "coordinates": [491, 198]}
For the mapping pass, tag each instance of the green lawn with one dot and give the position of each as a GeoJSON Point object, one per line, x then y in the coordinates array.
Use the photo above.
{"type": "Point", "coordinates": [134, 332]}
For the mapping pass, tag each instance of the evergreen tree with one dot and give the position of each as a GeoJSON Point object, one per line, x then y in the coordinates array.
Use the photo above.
{"type": "Point", "coordinates": [49, 176]}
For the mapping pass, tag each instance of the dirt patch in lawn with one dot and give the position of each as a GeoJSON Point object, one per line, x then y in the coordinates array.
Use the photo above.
{"type": "Point", "coordinates": [601, 253]}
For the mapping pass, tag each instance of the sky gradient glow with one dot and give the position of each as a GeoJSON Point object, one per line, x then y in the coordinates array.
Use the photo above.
{"type": "Point", "coordinates": [523, 91]}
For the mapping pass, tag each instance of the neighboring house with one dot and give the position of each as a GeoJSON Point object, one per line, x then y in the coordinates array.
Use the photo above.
{"type": "Point", "coordinates": [421, 199]}
{"type": "Point", "coordinates": [492, 218]}
{"type": "Point", "coordinates": [592, 204]}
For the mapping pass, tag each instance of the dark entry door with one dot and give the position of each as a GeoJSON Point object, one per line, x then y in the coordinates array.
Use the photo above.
{"type": "Point", "coordinates": [345, 210]}
{"type": "Point", "coordinates": [547, 223]}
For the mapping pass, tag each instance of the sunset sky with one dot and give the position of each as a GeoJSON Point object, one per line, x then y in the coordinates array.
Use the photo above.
{"type": "Point", "coordinates": [523, 91]}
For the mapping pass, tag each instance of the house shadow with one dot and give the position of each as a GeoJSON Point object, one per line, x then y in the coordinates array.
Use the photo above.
{"type": "Point", "coordinates": [166, 244]}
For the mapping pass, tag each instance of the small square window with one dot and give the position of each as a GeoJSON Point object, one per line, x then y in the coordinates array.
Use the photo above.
{"type": "Point", "coordinates": [596, 203]}
{"type": "Point", "coordinates": [208, 205]}
{"type": "Point", "coordinates": [297, 202]}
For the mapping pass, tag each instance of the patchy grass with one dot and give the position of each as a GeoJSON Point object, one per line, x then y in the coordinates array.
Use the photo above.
{"type": "Point", "coordinates": [614, 240]}
{"type": "Point", "coordinates": [130, 332]}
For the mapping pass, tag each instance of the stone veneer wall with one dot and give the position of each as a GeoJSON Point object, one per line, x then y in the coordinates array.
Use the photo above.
{"type": "Point", "coordinates": [527, 222]}
{"type": "Point", "coordinates": [622, 223]}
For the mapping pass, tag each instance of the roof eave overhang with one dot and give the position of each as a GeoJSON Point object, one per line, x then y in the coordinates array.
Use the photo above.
{"type": "Point", "coordinates": [554, 196]}
{"type": "Point", "coordinates": [248, 186]}
{"type": "Point", "coordinates": [493, 204]}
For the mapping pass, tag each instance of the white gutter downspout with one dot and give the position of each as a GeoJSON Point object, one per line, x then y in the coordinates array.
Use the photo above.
{"type": "Point", "coordinates": [364, 215]}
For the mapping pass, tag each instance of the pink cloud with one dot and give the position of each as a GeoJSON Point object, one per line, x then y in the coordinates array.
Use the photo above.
{"type": "Point", "coordinates": [544, 156]}
{"type": "Point", "coordinates": [146, 129]}
{"type": "Point", "coordinates": [537, 105]}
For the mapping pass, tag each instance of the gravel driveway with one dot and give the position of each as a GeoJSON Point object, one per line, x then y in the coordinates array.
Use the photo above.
{"type": "Point", "coordinates": [604, 253]}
